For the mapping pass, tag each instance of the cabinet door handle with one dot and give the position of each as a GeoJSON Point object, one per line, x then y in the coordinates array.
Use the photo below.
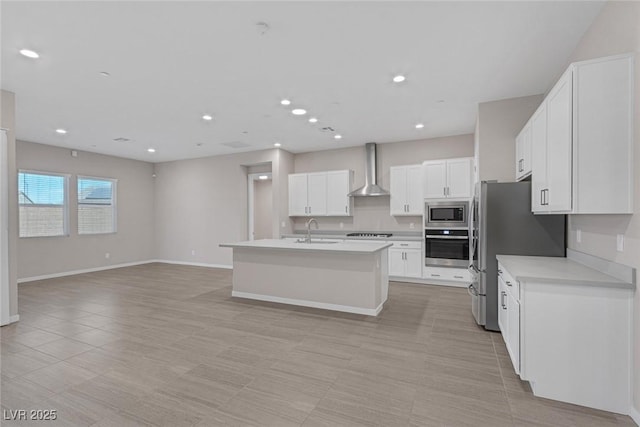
{"type": "Point", "coordinates": [444, 191]}
{"type": "Point", "coordinates": [346, 209]}
{"type": "Point", "coordinates": [435, 275]}
{"type": "Point", "coordinates": [503, 294]}
{"type": "Point", "coordinates": [448, 191]}
{"type": "Point", "coordinates": [404, 244]}
{"type": "Point", "coordinates": [546, 197]}
{"type": "Point", "coordinates": [499, 272]}
{"type": "Point", "coordinates": [541, 197]}
{"type": "Point", "coordinates": [508, 283]}
{"type": "Point", "coordinates": [458, 277]}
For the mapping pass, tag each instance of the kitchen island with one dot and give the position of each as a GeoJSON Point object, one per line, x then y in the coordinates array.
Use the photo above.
{"type": "Point", "coordinates": [341, 275]}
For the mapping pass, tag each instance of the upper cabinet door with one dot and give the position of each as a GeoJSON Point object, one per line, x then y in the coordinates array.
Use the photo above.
{"type": "Point", "coordinates": [398, 190]}
{"type": "Point", "coordinates": [298, 194]}
{"type": "Point", "coordinates": [559, 142]}
{"type": "Point", "coordinates": [434, 176]}
{"type": "Point", "coordinates": [526, 151]}
{"type": "Point", "coordinates": [338, 188]}
{"type": "Point", "coordinates": [317, 193]}
{"type": "Point", "coordinates": [415, 200]}
{"type": "Point", "coordinates": [519, 152]}
{"type": "Point", "coordinates": [539, 158]}
{"type": "Point", "coordinates": [603, 135]}
{"type": "Point", "coordinates": [459, 178]}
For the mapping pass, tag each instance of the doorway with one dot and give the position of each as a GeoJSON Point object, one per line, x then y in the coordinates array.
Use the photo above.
{"type": "Point", "coordinates": [4, 231]}
{"type": "Point", "coordinates": [260, 206]}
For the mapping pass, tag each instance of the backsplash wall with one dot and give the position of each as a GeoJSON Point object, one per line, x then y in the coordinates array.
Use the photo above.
{"type": "Point", "coordinates": [373, 213]}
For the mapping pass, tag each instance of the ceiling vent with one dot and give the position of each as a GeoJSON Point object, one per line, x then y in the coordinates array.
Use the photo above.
{"type": "Point", "coordinates": [121, 139]}
{"type": "Point", "coordinates": [236, 144]}
{"type": "Point", "coordinates": [327, 129]}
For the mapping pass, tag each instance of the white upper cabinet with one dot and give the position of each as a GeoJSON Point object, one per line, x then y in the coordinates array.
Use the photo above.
{"type": "Point", "coordinates": [449, 178]}
{"type": "Point", "coordinates": [406, 190]}
{"type": "Point", "coordinates": [538, 158]}
{"type": "Point", "coordinates": [317, 193]}
{"type": "Point", "coordinates": [582, 141]}
{"type": "Point", "coordinates": [298, 194]}
{"type": "Point", "coordinates": [523, 153]}
{"type": "Point", "coordinates": [434, 176]}
{"type": "Point", "coordinates": [320, 193]}
{"type": "Point", "coordinates": [338, 187]}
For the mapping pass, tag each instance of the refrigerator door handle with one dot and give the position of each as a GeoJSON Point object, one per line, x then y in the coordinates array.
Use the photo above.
{"type": "Point", "coordinates": [472, 291]}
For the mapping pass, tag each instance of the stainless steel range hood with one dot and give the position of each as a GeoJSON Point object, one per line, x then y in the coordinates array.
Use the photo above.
{"type": "Point", "coordinates": [371, 187]}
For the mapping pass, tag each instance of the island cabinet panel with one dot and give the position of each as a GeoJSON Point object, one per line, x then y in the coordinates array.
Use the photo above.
{"type": "Point", "coordinates": [320, 193]}
{"type": "Point", "coordinates": [582, 140]}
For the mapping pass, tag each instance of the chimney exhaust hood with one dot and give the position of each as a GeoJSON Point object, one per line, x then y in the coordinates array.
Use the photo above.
{"type": "Point", "coordinates": [371, 187]}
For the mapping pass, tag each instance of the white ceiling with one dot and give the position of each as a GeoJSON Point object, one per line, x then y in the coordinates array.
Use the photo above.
{"type": "Point", "coordinates": [171, 62]}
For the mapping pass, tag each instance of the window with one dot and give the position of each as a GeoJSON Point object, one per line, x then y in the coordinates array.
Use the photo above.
{"type": "Point", "coordinates": [42, 200]}
{"type": "Point", "coordinates": [96, 205]}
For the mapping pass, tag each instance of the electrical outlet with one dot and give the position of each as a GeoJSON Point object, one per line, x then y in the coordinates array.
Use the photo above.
{"type": "Point", "coordinates": [107, 255]}
{"type": "Point", "coordinates": [283, 225]}
{"type": "Point", "coordinates": [412, 225]}
{"type": "Point", "coordinates": [620, 242]}
{"type": "Point", "coordinates": [342, 225]}
{"type": "Point", "coordinates": [579, 235]}
{"type": "Point", "coordinates": [193, 252]}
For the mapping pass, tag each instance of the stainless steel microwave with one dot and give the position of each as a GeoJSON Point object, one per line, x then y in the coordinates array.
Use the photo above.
{"type": "Point", "coordinates": [446, 214]}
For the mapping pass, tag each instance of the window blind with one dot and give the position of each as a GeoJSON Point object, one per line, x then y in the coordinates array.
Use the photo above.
{"type": "Point", "coordinates": [42, 200]}
{"type": "Point", "coordinates": [96, 205]}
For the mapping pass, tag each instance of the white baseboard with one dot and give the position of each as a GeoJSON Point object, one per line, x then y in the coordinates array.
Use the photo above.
{"type": "Point", "coordinates": [635, 415]}
{"type": "Point", "coordinates": [419, 281]}
{"type": "Point", "coordinates": [194, 264]}
{"type": "Point", "coordinates": [110, 267]}
{"type": "Point", "coordinates": [85, 270]}
{"type": "Point", "coordinates": [313, 304]}
{"type": "Point", "coordinates": [12, 319]}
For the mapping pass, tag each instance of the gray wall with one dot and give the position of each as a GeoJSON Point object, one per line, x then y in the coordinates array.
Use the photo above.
{"type": "Point", "coordinates": [134, 240]}
{"type": "Point", "coordinates": [262, 210]}
{"type": "Point", "coordinates": [201, 203]}
{"type": "Point", "coordinates": [8, 121]}
{"type": "Point", "coordinates": [499, 122]}
{"type": "Point", "coordinates": [616, 30]}
{"type": "Point", "coordinates": [372, 213]}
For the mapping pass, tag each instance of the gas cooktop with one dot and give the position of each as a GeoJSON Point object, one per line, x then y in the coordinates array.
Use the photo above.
{"type": "Point", "coordinates": [369, 235]}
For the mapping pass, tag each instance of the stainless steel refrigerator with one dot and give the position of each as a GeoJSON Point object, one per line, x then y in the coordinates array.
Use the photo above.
{"type": "Point", "coordinates": [504, 225]}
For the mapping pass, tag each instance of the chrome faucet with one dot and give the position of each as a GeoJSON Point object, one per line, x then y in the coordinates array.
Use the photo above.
{"type": "Point", "coordinates": [308, 240]}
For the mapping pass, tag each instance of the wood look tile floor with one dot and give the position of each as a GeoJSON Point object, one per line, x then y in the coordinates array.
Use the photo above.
{"type": "Point", "coordinates": [166, 345]}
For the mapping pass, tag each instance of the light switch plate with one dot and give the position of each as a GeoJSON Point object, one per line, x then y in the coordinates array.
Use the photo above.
{"type": "Point", "coordinates": [579, 236]}
{"type": "Point", "coordinates": [620, 242]}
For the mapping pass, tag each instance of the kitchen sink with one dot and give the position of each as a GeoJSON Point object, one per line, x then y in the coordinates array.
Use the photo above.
{"type": "Point", "coordinates": [317, 241]}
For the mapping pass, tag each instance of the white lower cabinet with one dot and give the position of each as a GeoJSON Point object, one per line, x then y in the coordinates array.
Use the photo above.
{"type": "Point", "coordinates": [405, 259]}
{"type": "Point", "coordinates": [567, 329]}
{"type": "Point", "coordinates": [509, 315]}
{"type": "Point", "coordinates": [447, 274]}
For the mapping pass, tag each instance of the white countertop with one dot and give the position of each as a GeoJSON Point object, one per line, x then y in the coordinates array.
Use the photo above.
{"type": "Point", "coordinates": [347, 247]}
{"type": "Point", "coordinates": [556, 269]}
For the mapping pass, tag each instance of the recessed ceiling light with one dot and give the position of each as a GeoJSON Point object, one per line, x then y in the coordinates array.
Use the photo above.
{"type": "Point", "coordinates": [399, 78]}
{"type": "Point", "coordinates": [299, 111]}
{"type": "Point", "coordinates": [29, 53]}
{"type": "Point", "coordinates": [263, 177]}
{"type": "Point", "coordinates": [199, 144]}
{"type": "Point", "coordinates": [277, 144]}
{"type": "Point", "coordinates": [104, 74]}
{"type": "Point", "coordinates": [337, 136]}
{"type": "Point", "coordinates": [61, 131]}
{"type": "Point", "coordinates": [151, 150]}
{"type": "Point", "coordinates": [207, 117]}
{"type": "Point", "coordinates": [440, 101]}
{"type": "Point", "coordinates": [285, 102]}
{"type": "Point", "coordinates": [419, 126]}
{"type": "Point", "coordinates": [313, 120]}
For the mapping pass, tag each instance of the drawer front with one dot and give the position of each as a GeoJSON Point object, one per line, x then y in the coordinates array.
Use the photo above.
{"type": "Point", "coordinates": [512, 286]}
{"type": "Point", "coordinates": [449, 274]}
{"type": "Point", "coordinates": [407, 245]}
